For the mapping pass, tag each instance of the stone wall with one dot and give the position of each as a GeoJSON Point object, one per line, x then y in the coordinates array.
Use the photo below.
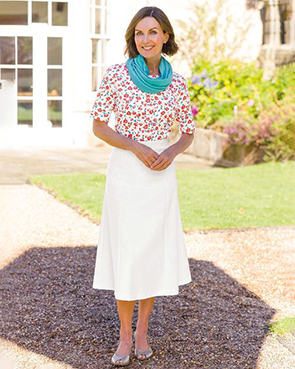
{"type": "Point", "coordinates": [208, 145]}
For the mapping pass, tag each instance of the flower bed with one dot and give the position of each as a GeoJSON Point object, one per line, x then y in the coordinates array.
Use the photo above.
{"type": "Point", "coordinates": [255, 116]}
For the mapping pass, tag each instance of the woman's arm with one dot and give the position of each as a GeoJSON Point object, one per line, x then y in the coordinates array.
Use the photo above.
{"type": "Point", "coordinates": [167, 156]}
{"type": "Point", "coordinates": [183, 143]}
{"type": "Point", "coordinates": [107, 134]}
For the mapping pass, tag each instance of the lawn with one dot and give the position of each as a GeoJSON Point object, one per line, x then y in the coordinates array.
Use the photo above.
{"type": "Point", "coordinates": [283, 326]}
{"type": "Point", "coordinates": [257, 195]}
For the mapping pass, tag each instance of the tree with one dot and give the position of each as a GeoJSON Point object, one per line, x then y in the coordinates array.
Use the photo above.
{"type": "Point", "coordinates": [212, 31]}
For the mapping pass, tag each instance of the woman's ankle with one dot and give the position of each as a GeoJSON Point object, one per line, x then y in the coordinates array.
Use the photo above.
{"type": "Point", "coordinates": [141, 330]}
{"type": "Point", "coordinates": [126, 334]}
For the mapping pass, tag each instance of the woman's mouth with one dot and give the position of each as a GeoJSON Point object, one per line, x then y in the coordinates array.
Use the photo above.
{"type": "Point", "coordinates": [147, 48]}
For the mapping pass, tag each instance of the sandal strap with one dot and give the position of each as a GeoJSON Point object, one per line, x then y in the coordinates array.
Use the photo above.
{"type": "Point", "coordinates": [143, 352]}
{"type": "Point", "coordinates": [118, 357]}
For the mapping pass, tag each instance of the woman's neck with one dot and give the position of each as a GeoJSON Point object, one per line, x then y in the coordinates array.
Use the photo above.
{"type": "Point", "coordinates": [153, 66]}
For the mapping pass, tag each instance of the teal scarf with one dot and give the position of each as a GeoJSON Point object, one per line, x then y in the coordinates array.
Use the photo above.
{"type": "Point", "coordinates": [139, 74]}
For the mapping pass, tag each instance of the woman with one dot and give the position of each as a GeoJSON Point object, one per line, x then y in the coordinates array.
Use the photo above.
{"type": "Point", "coordinates": [141, 252]}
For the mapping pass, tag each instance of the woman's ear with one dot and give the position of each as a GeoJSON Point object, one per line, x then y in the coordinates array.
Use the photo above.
{"type": "Point", "coordinates": [167, 37]}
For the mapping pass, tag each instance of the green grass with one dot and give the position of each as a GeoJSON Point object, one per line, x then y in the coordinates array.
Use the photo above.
{"type": "Point", "coordinates": [258, 195]}
{"type": "Point", "coordinates": [283, 326]}
{"type": "Point", "coordinates": [84, 190]}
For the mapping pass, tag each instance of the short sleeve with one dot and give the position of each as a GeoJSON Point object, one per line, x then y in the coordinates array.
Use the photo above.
{"type": "Point", "coordinates": [184, 115]}
{"type": "Point", "coordinates": [105, 100]}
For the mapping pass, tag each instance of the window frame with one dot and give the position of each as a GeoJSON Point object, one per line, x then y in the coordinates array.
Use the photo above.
{"type": "Point", "coordinates": [101, 62]}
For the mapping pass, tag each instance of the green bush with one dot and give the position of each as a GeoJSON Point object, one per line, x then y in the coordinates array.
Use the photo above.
{"type": "Point", "coordinates": [282, 118]}
{"type": "Point", "coordinates": [225, 88]}
{"type": "Point", "coordinates": [232, 97]}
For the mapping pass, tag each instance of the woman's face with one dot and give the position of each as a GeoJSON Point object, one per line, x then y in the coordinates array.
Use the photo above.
{"type": "Point", "coordinates": [149, 37]}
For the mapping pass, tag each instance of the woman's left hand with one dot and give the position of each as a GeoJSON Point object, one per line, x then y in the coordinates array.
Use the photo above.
{"type": "Point", "coordinates": [164, 159]}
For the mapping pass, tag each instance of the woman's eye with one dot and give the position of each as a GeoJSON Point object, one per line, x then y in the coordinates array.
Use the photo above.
{"type": "Point", "coordinates": [139, 33]}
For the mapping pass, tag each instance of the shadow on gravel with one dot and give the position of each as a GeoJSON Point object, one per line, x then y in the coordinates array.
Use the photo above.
{"type": "Point", "coordinates": [49, 307]}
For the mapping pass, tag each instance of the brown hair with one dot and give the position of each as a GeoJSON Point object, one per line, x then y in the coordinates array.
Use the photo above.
{"type": "Point", "coordinates": [169, 48]}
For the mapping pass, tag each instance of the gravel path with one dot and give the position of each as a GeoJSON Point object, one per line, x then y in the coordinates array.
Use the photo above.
{"type": "Point", "coordinates": [52, 318]}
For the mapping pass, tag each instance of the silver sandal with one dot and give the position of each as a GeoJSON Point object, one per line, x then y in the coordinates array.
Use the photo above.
{"type": "Point", "coordinates": [148, 353]}
{"type": "Point", "coordinates": [125, 358]}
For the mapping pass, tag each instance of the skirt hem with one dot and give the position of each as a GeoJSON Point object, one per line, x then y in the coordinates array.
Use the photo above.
{"type": "Point", "coordinates": [167, 292]}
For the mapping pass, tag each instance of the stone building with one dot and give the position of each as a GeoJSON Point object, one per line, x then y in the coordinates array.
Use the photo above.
{"type": "Point", "coordinates": [278, 31]}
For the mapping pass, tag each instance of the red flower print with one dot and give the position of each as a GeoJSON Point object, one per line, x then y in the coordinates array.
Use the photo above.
{"type": "Point", "coordinates": [138, 115]}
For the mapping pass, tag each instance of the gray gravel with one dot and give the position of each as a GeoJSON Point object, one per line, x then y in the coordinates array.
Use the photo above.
{"type": "Point", "coordinates": [52, 318]}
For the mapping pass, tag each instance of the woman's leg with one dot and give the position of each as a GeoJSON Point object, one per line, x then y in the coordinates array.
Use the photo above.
{"type": "Point", "coordinates": [145, 308]}
{"type": "Point", "coordinates": [125, 311]}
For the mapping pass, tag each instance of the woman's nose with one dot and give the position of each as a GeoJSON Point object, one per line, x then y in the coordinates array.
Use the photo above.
{"type": "Point", "coordinates": [145, 38]}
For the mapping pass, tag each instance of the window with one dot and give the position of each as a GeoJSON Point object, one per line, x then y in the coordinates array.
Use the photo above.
{"type": "Point", "coordinates": [8, 74]}
{"type": "Point", "coordinates": [24, 50]}
{"type": "Point", "coordinates": [24, 57]}
{"type": "Point", "coordinates": [54, 51]}
{"type": "Point", "coordinates": [25, 82]}
{"type": "Point", "coordinates": [13, 12]}
{"type": "Point", "coordinates": [99, 52]}
{"type": "Point", "coordinates": [99, 40]}
{"type": "Point", "coordinates": [54, 81]}
{"type": "Point", "coordinates": [25, 112]}
{"type": "Point", "coordinates": [285, 12]}
{"type": "Point", "coordinates": [40, 12]}
{"type": "Point", "coordinates": [7, 50]}
{"type": "Point", "coordinates": [54, 112]}
{"type": "Point", "coordinates": [59, 14]}
{"type": "Point", "coordinates": [98, 17]}
{"type": "Point", "coordinates": [16, 62]}
{"type": "Point", "coordinates": [17, 12]}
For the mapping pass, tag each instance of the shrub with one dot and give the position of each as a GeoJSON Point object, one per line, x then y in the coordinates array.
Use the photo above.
{"type": "Point", "coordinates": [222, 89]}
{"type": "Point", "coordinates": [251, 110]}
{"type": "Point", "coordinates": [282, 146]}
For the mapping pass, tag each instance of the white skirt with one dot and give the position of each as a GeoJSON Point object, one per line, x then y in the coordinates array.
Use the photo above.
{"type": "Point", "coordinates": [141, 251]}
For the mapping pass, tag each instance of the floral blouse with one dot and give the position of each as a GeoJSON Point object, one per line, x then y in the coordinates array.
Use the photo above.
{"type": "Point", "coordinates": [139, 115]}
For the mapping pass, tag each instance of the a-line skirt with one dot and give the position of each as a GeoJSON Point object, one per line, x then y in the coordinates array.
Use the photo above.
{"type": "Point", "coordinates": [141, 251]}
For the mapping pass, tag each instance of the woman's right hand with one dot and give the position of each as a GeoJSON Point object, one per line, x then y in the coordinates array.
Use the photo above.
{"type": "Point", "coordinates": [145, 154]}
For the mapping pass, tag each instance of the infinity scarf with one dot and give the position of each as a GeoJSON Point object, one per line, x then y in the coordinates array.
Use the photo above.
{"type": "Point", "coordinates": [139, 74]}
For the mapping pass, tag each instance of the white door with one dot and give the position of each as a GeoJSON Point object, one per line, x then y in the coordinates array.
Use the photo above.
{"type": "Point", "coordinates": [34, 91]}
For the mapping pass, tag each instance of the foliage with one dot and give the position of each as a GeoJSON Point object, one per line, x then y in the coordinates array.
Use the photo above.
{"type": "Point", "coordinates": [274, 132]}
{"type": "Point", "coordinates": [282, 118]}
{"type": "Point", "coordinates": [224, 88]}
{"type": "Point", "coordinates": [232, 97]}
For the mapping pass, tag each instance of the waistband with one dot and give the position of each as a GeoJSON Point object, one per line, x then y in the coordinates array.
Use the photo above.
{"type": "Point", "coordinates": [157, 143]}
